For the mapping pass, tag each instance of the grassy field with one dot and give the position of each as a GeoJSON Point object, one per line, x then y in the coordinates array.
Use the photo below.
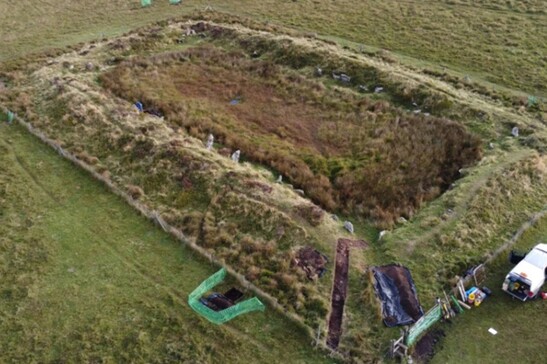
{"type": "Point", "coordinates": [86, 279]}
{"type": "Point", "coordinates": [234, 211]}
{"type": "Point", "coordinates": [497, 41]}
{"type": "Point", "coordinates": [519, 325]}
{"type": "Point", "coordinates": [466, 224]}
{"type": "Point", "coordinates": [82, 252]}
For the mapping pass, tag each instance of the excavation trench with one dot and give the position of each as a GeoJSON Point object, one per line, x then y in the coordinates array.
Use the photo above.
{"type": "Point", "coordinates": [340, 289]}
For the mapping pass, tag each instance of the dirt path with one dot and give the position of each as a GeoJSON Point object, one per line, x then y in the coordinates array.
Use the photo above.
{"type": "Point", "coordinates": [339, 292]}
{"type": "Point", "coordinates": [515, 238]}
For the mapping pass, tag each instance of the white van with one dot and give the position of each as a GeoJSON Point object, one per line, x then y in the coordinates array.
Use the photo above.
{"type": "Point", "coordinates": [526, 279]}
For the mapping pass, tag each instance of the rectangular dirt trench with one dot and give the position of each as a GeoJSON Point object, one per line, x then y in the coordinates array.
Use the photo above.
{"type": "Point", "coordinates": [339, 292]}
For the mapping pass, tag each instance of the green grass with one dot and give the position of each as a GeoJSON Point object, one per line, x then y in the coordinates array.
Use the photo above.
{"type": "Point", "coordinates": [62, 23]}
{"type": "Point", "coordinates": [467, 223]}
{"type": "Point", "coordinates": [495, 41]}
{"type": "Point", "coordinates": [48, 226]}
{"type": "Point", "coordinates": [86, 279]}
{"type": "Point", "coordinates": [520, 326]}
{"type": "Point", "coordinates": [487, 205]}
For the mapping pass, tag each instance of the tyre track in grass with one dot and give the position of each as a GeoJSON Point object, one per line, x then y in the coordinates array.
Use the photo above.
{"type": "Point", "coordinates": [101, 235]}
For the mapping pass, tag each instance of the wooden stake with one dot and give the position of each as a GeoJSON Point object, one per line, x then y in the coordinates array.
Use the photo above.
{"type": "Point", "coordinates": [462, 290]}
{"type": "Point", "coordinates": [449, 305]}
{"type": "Point", "coordinates": [464, 304]}
{"type": "Point", "coordinates": [455, 301]}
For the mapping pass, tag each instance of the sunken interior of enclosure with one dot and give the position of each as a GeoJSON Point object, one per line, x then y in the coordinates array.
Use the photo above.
{"type": "Point", "coordinates": [349, 152]}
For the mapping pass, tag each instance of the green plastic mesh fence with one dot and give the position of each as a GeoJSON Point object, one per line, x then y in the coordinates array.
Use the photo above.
{"type": "Point", "coordinates": [220, 317]}
{"type": "Point", "coordinates": [145, 3]}
{"type": "Point", "coordinates": [422, 325]}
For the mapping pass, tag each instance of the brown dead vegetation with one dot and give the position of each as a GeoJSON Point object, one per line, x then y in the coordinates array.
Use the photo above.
{"type": "Point", "coordinates": [311, 213]}
{"type": "Point", "coordinates": [346, 151]}
{"type": "Point", "coordinates": [311, 261]}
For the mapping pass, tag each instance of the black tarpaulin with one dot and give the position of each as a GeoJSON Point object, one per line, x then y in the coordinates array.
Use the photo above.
{"type": "Point", "coordinates": [396, 290]}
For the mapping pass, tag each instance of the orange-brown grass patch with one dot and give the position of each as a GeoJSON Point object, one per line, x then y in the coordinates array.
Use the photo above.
{"type": "Point", "coordinates": [346, 151]}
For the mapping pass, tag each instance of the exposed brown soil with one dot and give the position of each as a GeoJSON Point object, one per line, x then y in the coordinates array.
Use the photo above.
{"type": "Point", "coordinates": [425, 348]}
{"type": "Point", "coordinates": [340, 288]}
{"type": "Point", "coordinates": [311, 261]}
{"type": "Point", "coordinates": [259, 186]}
{"type": "Point", "coordinates": [311, 213]}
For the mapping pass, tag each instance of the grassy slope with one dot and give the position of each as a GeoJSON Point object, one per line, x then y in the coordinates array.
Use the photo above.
{"type": "Point", "coordinates": [84, 278]}
{"type": "Point", "coordinates": [61, 23]}
{"type": "Point", "coordinates": [471, 220]}
{"type": "Point", "coordinates": [500, 45]}
{"type": "Point", "coordinates": [501, 42]}
{"type": "Point", "coordinates": [468, 340]}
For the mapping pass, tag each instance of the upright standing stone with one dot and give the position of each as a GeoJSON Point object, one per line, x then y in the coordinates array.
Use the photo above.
{"type": "Point", "coordinates": [210, 141]}
{"type": "Point", "coordinates": [235, 156]}
{"type": "Point", "coordinates": [348, 226]}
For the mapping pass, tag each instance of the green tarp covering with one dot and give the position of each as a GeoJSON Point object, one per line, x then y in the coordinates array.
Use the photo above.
{"type": "Point", "coordinates": [220, 317]}
{"type": "Point", "coordinates": [145, 3]}
{"type": "Point", "coordinates": [174, 2]}
{"type": "Point", "coordinates": [11, 116]}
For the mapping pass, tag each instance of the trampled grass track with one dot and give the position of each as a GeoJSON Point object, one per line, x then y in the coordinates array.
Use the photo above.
{"type": "Point", "coordinates": [478, 182]}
